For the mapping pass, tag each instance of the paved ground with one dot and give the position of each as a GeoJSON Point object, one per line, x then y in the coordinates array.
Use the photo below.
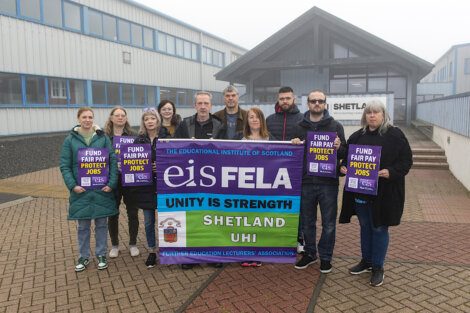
{"type": "Point", "coordinates": [427, 268]}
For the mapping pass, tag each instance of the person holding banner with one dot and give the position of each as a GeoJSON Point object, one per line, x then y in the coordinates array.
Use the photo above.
{"type": "Point", "coordinates": [144, 197]}
{"type": "Point", "coordinates": [170, 120]}
{"type": "Point", "coordinates": [116, 127]}
{"type": "Point", "coordinates": [377, 212]}
{"type": "Point", "coordinates": [202, 125]}
{"type": "Point", "coordinates": [281, 125]}
{"type": "Point", "coordinates": [320, 189]}
{"type": "Point", "coordinates": [89, 169]}
{"type": "Point", "coordinates": [232, 116]}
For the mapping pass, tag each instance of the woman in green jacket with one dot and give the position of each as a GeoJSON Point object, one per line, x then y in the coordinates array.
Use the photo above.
{"type": "Point", "coordinates": [88, 204]}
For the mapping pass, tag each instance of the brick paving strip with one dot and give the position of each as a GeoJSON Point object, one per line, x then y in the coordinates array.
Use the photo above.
{"type": "Point", "coordinates": [427, 268]}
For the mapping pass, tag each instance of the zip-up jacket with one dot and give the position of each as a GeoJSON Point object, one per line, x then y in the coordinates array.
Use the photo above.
{"type": "Point", "coordinates": [281, 124]}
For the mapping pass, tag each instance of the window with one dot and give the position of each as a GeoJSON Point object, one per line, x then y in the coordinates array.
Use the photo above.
{"type": "Point", "coordinates": [35, 90]}
{"type": "Point", "coordinates": [148, 38]}
{"type": "Point", "coordinates": [338, 86]}
{"type": "Point", "coordinates": [187, 50]}
{"type": "Point", "coordinates": [339, 52]}
{"type": "Point", "coordinates": [124, 31]}
{"type": "Point", "coordinates": [10, 89]}
{"type": "Point", "coordinates": [99, 92]}
{"type": "Point", "coordinates": [397, 85]}
{"type": "Point", "coordinates": [72, 16]}
{"type": "Point", "coordinates": [208, 56]}
{"type": "Point", "coordinates": [139, 95]}
{"type": "Point", "coordinates": [450, 71]}
{"type": "Point", "coordinates": [127, 96]}
{"type": "Point", "coordinates": [113, 94]}
{"type": "Point", "coordinates": [161, 42]}
{"type": "Point", "coordinates": [170, 44]}
{"type": "Point", "coordinates": [467, 66]}
{"type": "Point", "coordinates": [194, 50]}
{"type": "Point", "coordinates": [53, 12]}
{"type": "Point", "coordinates": [357, 85]}
{"type": "Point", "coordinates": [31, 9]}
{"type": "Point", "coordinates": [136, 35]}
{"type": "Point", "coordinates": [57, 90]}
{"type": "Point", "coordinates": [8, 6]}
{"type": "Point", "coordinates": [179, 47]}
{"type": "Point", "coordinates": [95, 23]}
{"type": "Point", "coordinates": [77, 92]}
{"type": "Point", "coordinates": [181, 97]}
{"type": "Point", "coordinates": [377, 84]}
{"type": "Point", "coordinates": [150, 96]}
{"type": "Point", "coordinates": [168, 94]}
{"type": "Point", "coordinates": [109, 27]}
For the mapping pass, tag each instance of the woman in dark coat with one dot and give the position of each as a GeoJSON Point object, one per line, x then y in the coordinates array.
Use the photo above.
{"type": "Point", "coordinates": [145, 197]}
{"type": "Point", "coordinates": [87, 205]}
{"type": "Point", "coordinates": [117, 125]}
{"type": "Point", "coordinates": [377, 213]}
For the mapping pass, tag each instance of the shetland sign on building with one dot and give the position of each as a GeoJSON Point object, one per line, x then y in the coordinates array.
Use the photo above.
{"type": "Point", "coordinates": [221, 201]}
{"type": "Point", "coordinates": [351, 108]}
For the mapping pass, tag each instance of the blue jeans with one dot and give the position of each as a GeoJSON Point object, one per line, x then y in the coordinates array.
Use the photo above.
{"type": "Point", "coordinates": [327, 197]}
{"type": "Point", "coordinates": [101, 237]}
{"type": "Point", "coordinates": [149, 220]}
{"type": "Point", "coordinates": [374, 240]}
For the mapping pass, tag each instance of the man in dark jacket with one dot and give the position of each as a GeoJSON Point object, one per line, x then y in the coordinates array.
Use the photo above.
{"type": "Point", "coordinates": [232, 116]}
{"type": "Point", "coordinates": [282, 123]}
{"type": "Point", "coordinates": [319, 190]}
{"type": "Point", "coordinates": [201, 125]}
{"type": "Point", "coordinates": [281, 126]}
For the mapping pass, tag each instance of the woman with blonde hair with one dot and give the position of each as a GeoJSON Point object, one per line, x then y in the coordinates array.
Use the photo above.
{"type": "Point", "coordinates": [118, 125]}
{"type": "Point", "coordinates": [144, 197]}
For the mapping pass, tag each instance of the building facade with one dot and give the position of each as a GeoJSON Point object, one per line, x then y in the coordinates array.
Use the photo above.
{"type": "Point", "coordinates": [450, 75]}
{"type": "Point", "coordinates": [321, 51]}
{"type": "Point", "coordinates": [57, 55]}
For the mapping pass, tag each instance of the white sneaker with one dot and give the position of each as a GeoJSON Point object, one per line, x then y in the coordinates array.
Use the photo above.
{"type": "Point", "coordinates": [114, 252]}
{"type": "Point", "coordinates": [134, 251]}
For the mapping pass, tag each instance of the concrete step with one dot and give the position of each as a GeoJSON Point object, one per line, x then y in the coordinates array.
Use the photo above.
{"type": "Point", "coordinates": [428, 151]}
{"type": "Point", "coordinates": [435, 158]}
{"type": "Point", "coordinates": [431, 165]}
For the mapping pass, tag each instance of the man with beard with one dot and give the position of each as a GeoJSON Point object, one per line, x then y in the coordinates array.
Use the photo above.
{"type": "Point", "coordinates": [282, 123]}
{"type": "Point", "coordinates": [319, 190]}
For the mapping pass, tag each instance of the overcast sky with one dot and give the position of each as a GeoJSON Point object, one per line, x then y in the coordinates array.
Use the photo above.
{"type": "Point", "coordinates": [426, 29]}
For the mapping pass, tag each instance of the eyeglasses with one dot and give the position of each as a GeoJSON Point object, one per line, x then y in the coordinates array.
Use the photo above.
{"type": "Point", "coordinates": [153, 110]}
{"type": "Point", "coordinates": [313, 101]}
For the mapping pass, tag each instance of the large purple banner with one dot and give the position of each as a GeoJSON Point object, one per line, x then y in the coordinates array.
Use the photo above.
{"type": "Point", "coordinates": [93, 167]}
{"type": "Point", "coordinates": [363, 169]}
{"type": "Point", "coordinates": [136, 165]}
{"type": "Point", "coordinates": [321, 154]}
{"type": "Point", "coordinates": [221, 201]}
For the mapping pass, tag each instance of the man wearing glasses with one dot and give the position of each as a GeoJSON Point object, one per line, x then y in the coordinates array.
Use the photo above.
{"type": "Point", "coordinates": [281, 125]}
{"type": "Point", "coordinates": [319, 190]}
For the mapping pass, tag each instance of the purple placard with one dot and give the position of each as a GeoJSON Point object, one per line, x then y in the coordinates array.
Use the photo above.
{"type": "Point", "coordinates": [136, 164]}
{"type": "Point", "coordinates": [363, 169]}
{"type": "Point", "coordinates": [93, 167]}
{"type": "Point", "coordinates": [117, 142]}
{"type": "Point", "coordinates": [321, 154]}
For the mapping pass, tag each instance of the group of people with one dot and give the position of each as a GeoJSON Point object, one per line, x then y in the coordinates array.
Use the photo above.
{"type": "Point", "coordinates": [375, 213]}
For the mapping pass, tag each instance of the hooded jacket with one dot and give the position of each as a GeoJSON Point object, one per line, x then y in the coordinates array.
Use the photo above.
{"type": "Point", "coordinates": [326, 124]}
{"type": "Point", "coordinates": [90, 204]}
{"type": "Point", "coordinates": [281, 124]}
